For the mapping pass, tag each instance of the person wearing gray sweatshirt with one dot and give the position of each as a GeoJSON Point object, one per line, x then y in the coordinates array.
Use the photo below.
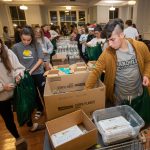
{"type": "Point", "coordinates": [11, 70]}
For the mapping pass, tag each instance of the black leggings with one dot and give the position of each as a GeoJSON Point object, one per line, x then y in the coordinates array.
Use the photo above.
{"type": "Point", "coordinates": [7, 115]}
{"type": "Point", "coordinates": [39, 81]}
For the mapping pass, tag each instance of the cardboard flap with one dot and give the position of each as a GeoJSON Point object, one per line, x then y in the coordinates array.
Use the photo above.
{"type": "Point", "coordinates": [64, 122]}
{"type": "Point", "coordinates": [79, 118]}
{"type": "Point", "coordinates": [61, 66]}
{"type": "Point", "coordinates": [80, 64]}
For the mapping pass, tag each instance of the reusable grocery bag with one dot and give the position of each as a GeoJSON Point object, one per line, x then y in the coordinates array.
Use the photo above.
{"type": "Point", "coordinates": [24, 98]}
{"type": "Point", "coordinates": [94, 52]}
{"type": "Point", "coordinates": [141, 105]}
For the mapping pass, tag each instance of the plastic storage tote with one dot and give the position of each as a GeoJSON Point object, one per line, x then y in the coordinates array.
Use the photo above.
{"type": "Point", "coordinates": [135, 123]}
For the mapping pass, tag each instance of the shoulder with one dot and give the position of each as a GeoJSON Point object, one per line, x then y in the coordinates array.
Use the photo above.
{"type": "Point", "coordinates": [11, 54]}
{"type": "Point", "coordinates": [46, 39]}
{"type": "Point", "coordinates": [138, 45]}
{"type": "Point", "coordinates": [17, 45]}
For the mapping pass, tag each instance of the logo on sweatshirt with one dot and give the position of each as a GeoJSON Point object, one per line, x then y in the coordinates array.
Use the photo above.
{"type": "Point", "coordinates": [27, 54]}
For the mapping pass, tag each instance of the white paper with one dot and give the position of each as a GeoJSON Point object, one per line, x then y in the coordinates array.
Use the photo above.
{"type": "Point", "coordinates": [115, 127]}
{"type": "Point", "coordinates": [66, 135]}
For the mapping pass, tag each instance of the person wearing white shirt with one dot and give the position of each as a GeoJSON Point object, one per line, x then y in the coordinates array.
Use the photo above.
{"type": "Point", "coordinates": [131, 32]}
{"type": "Point", "coordinates": [47, 47]}
{"type": "Point", "coordinates": [82, 41]}
{"type": "Point", "coordinates": [83, 38]}
{"type": "Point", "coordinates": [97, 39]}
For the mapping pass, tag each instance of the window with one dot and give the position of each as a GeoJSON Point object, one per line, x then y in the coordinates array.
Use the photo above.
{"type": "Point", "coordinates": [81, 15]}
{"type": "Point", "coordinates": [53, 17]}
{"type": "Point", "coordinates": [113, 14]}
{"type": "Point", "coordinates": [81, 20]}
{"type": "Point", "coordinates": [67, 16]}
{"type": "Point", "coordinates": [17, 16]}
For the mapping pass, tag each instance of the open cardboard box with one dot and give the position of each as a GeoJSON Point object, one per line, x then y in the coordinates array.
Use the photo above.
{"type": "Point", "coordinates": [59, 59]}
{"type": "Point", "coordinates": [61, 66]}
{"type": "Point", "coordinates": [66, 83]}
{"type": "Point", "coordinates": [82, 142]}
{"type": "Point", "coordinates": [74, 69]}
{"type": "Point", "coordinates": [66, 94]}
{"type": "Point", "coordinates": [58, 56]}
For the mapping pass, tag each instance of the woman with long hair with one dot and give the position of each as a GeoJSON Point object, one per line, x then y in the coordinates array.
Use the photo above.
{"type": "Point", "coordinates": [11, 70]}
{"type": "Point", "coordinates": [46, 45]}
{"type": "Point", "coordinates": [29, 53]}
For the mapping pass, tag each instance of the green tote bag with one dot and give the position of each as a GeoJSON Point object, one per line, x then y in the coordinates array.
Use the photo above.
{"type": "Point", "coordinates": [24, 99]}
{"type": "Point", "coordinates": [141, 105]}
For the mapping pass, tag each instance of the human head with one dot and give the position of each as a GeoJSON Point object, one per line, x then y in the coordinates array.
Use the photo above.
{"type": "Point", "coordinates": [97, 31]}
{"type": "Point", "coordinates": [48, 27]}
{"type": "Point", "coordinates": [27, 36]}
{"type": "Point", "coordinates": [38, 32]}
{"type": "Point", "coordinates": [129, 22]}
{"type": "Point", "coordinates": [82, 30]}
{"type": "Point", "coordinates": [5, 29]}
{"type": "Point", "coordinates": [91, 30]}
{"type": "Point", "coordinates": [134, 25]}
{"type": "Point", "coordinates": [18, 28]}
{"type": "Point", "coordinates": [44, 28]}
{"type": "Point", "coordinates": [75, 30]}
{"type": "Point", "coordinates": [113, 32]}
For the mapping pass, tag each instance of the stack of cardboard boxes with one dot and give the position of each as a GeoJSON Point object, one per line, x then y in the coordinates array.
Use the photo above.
{"type": "Point", "coordinates": [65, 93]}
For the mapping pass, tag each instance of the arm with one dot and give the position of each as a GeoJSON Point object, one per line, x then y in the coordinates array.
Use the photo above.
{"type": "Point", "coordinates": [94, 75]}
{"type": "Point", "coordinates": [37, 65]}
{"type": "Point", "coordinates": [146, 74]}
{"type": "Point", "coordinates": [89, 44]}
{"type": "Point", "coordinates": [18, 68]}
{"type": "Point", "coordinates": [54, 34]}
{"type": "Point", "coordinates": [81, 40]}
{"type": "Point", "coordinates": [49, 46]}
{"type": "Point", "coordinates": [146, 58]}
{"type": "Point", "coordinates": [40, 58]}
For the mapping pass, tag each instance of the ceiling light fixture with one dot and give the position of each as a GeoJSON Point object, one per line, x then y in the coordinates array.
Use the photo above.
{"type": "Point", "coordinates": [68, 7]}
{"type": "Point", "coordinates": [23, 7]}
{"type": "Point", "coordinates": [131, 2]}
{"type": "Point", "coordinates": [112, 8]}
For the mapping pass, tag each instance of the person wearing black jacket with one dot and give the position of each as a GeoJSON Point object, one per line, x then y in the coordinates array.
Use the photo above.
{"type": "Point", "coordinates": [17, 34]}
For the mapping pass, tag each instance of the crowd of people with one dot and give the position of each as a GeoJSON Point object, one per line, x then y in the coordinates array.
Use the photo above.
{"type": "Point", "coordinates": [126, 62]}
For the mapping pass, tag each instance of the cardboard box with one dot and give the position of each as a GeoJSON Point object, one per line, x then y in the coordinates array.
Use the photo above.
{"type": "Point", "coordinates": [61, 83]}
{"type": "Point", "coordinates": [60, 104]}
{"type": "Point", "coordinates": [61, 66]}
{"type": "Point", "coordinates": [59, 59]}
{"type": "Point", "coordinates": [82, 142]}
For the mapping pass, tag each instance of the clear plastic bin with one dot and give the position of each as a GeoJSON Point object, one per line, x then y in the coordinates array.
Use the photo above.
{"type": "Point", "coordinates": [127, 112]}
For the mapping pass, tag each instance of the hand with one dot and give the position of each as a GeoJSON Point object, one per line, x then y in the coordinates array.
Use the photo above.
{"type": "Point", "coordinates": [30, 72]}
{"type": "Point", "coordinates": [18, 77]}
{"type": "Point", "coordinates": [45, 52]}
{"type": "Point", "coordinates": [9, 86]}
{"type": "Point", "coordinates": [146, 81]}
